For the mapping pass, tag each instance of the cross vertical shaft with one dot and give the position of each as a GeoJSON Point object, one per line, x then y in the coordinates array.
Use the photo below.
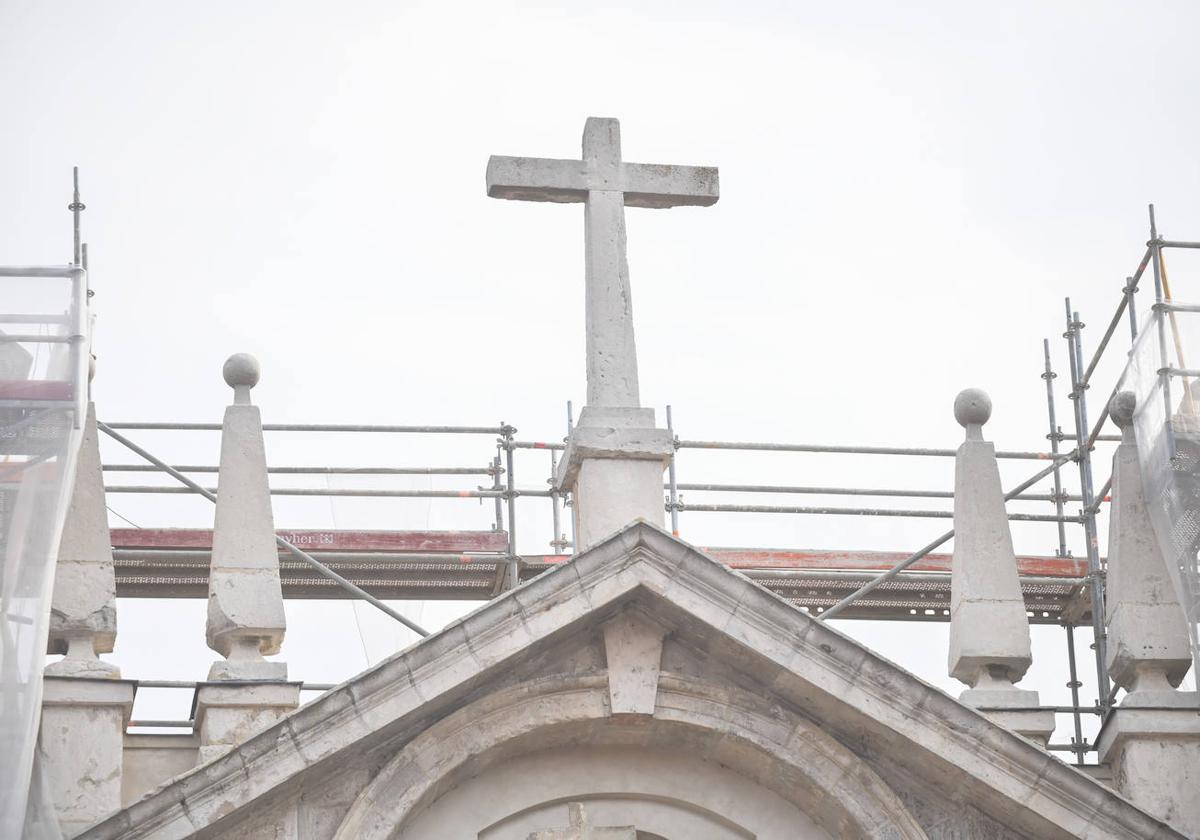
{"type": "Point", "coordinates": [605, 184]}
{"type": "Point", "coordinates": [612, 373]}
{"type": "Point", "coordinates": [615, 455]}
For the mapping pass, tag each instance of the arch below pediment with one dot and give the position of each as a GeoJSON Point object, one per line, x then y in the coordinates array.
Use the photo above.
{"type": "Point", "coordinates": [784, 768]}
{"type": "Point", "coordinates": [660, 792]}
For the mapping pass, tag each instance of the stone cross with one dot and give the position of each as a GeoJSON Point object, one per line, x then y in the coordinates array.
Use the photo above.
{"type": "Point", "coordinates": [606, 185]}
{"type": "Point", "coordinates": [581, 828]}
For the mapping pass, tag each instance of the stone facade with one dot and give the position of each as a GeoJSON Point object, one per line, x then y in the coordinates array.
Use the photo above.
{"type": "Point", "coordinates": [764, 723]}
{"type": "Point", "coordinates": [640, 691]}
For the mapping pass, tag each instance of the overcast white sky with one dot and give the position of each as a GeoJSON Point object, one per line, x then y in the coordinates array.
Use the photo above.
{"type": "Point", "coordinates": [908, 193]}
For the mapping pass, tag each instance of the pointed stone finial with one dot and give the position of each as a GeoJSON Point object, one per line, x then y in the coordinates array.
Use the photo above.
{"type": "Point", "coordinates": [1147, 636]}
{"type": "Point", "coordinates": [245, 601]}
{"type": "Point", "coordinates": [1151, 740]}
{"type": "Point", "coordinates": [83, 609]}
{"type": "Point", "coordinates": [989, 629]}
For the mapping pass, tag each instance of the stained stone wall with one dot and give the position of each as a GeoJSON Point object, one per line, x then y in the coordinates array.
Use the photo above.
{"type": "Point", "coordinates": [686, 781]}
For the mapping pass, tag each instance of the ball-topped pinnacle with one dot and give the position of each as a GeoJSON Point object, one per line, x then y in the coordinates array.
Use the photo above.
{"type": "Point", "coordinates": [972, 407]}
{"type": "Point", "coordinates": [241, 370]}
{"type": "Point", "coordinates": [1121, 408]}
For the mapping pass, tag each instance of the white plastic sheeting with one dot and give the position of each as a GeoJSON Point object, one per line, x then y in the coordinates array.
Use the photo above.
{"type": "Point", "coordinates": [43, 384]}
{"type": "Point", "coordinates": [1167, 426]}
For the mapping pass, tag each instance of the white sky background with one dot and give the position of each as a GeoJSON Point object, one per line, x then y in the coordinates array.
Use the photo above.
{"type": "Point", "coordinates": [907, 194]}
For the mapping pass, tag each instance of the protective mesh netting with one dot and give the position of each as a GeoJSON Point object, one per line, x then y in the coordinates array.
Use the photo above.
{"type": "Point", "coordinates": [43, 372]}
{"type": "Point", "coordinates": [1167, 426]}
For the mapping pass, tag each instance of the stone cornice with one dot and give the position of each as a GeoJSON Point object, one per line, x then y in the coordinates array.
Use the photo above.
{"type": "Point", "coordinates": [808, 663]}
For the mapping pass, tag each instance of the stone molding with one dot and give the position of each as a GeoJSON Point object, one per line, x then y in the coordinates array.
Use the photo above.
{"type": "Point", "coordinates": [789, 754]}
{"type": "Point", "coordinates": [633, 645]}
{"type": "Point", "coordinates": [59, 690]}
{"type": "Point", "coordinates": [799, 657]}
{"type": "Point", "coordinates": [604, 443]}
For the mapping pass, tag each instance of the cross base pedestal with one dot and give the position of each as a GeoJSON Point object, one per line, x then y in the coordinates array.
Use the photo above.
{"type": "Point", "coordinates": [613, 468]}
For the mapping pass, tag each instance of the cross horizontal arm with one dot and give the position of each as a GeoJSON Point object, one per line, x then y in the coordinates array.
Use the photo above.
{"type": "Point", "coordinates": [663, 185]}
{"type": "Point", "coordinates": [568, 181]}
{"type": "Point", "coordinates": [537, 179]}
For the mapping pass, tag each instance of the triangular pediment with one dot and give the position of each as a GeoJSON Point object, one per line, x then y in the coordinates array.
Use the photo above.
{"type": "Point", "coordinates": [642, 628]}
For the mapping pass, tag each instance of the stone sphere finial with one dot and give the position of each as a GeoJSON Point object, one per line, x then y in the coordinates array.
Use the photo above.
{"type": "Point", "coordinates": [972, 407]}
{"type": "Point", "coordinates": [241, 370]}
{"type": "Point", "coordinates": [1121, 408]}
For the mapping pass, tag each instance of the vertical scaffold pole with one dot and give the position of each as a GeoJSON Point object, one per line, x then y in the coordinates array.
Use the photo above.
{"type": "Point", "coordinates": [497, 471]}
{"type": "Point", "coordinates": [76, 207]}
{"type": "Point", "coordinates": [1054, 437]}
{"type": "Point", "coordinates": [1086, 490]}
{"type": "Point", "coordinates": [571, 502]}
{"type": "Point", "coordinates": [1080, 746]}
{"type": "Point", "coordinates": [557, 541]}
{"type": "Point", "coordinates": [1131, 290]}
{"type": "Point", "coordinates": [674, 488]}
{"type": "Point", "coordinates": [1161, 323]}
{"type": "Point", "coordinates": [514, 562]}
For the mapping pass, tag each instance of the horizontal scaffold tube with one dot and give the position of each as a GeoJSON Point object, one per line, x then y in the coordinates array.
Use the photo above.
{"type": "Point", "coordinates": [874, 583]}
{"type": "Point", "coordinates": [315, 427]}
{"type": "Point", "coordinates": [325, 491]}
{"type": "Point", "coordinates": [196, 468]}
{"type": "Point", "coordinates": [845, 511]}
{"type": "Point", "coordinates": [321, 568]}
{"type": "Point", "coordinates": [850, 491]}
{"type": "Point", "coordinates": [845, 450]}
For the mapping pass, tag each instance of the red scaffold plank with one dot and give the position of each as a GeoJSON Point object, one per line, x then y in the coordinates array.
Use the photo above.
{"type": "Point", "coordinates": [397, 541]}
{"type": "Point", "coordinates": [863, 561]}
{"type": "Point", "coordinates": [36, 389]}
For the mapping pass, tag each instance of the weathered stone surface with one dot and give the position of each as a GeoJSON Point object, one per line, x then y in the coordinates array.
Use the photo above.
{"type": "Point", "coordinates": [1154, 754]}
{"type": "Point", "coordinates": [83, 610]}
{"type": "Point", "coordinates": [799, 713]}
{"type": "Point", "coordinates": [245, 601]}
{"type": "Point", "coordinates": [1147, 636]}
{"type": "Point", "coordinates": [613, 468]}
{"type": "Point", "coordinates": [230, 714]}
{"type": "Point", "coordinates": [81, 739]}
{"type": "Point", "coordinates": [615, 457]}
{"type": "Point", "coordinates": [1151, 740]}
{"type": "Point", "coordinates": [989, 630]}
{"type": "Point", "coordinates": [606, 185]}
{"type": "Point", "coordinates": [990, 647]}
{"type": "Point", "coordinates": [582, 828]}
{"type": "Point", "coordinates": [619, 433]}
{"type": "Point", "coordinates": [633, 649]}
{"type": "Point", "coordinates": [1015, 709]}
{"type": "Point", "coordinates": [150, 760]}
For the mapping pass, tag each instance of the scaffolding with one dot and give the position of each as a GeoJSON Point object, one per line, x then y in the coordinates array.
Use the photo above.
{"type": "Point", "coordinates": [1059, 588]}
{"type": "Point", "coordinates": [43, 402]}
